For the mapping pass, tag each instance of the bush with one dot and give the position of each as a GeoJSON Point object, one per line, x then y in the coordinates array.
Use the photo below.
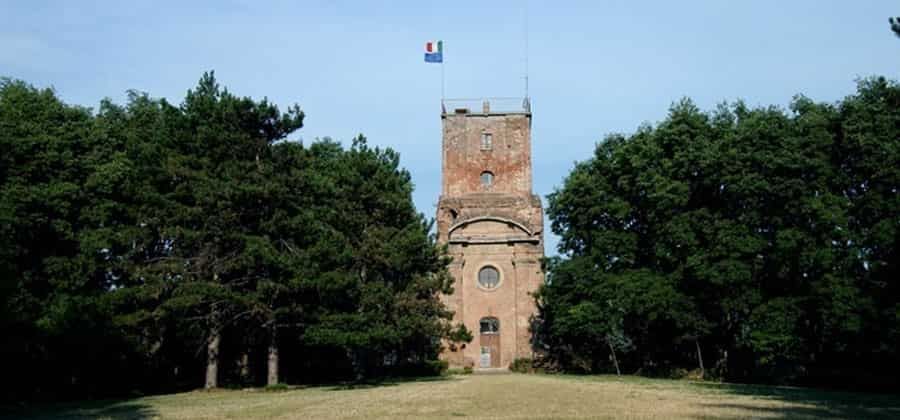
{"type": "Point", "coordinates": [421, 368]}
{"type": "Point", "coordinates": [522, 365]}
{"type": "Point", "coordinates": [437, 367]}
{"type": "Point", "coordinates": [277, 387]}
{"type": "Point", "coordinates": [460, 371]}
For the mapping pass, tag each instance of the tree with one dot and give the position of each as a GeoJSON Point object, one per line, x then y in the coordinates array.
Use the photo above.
{"type": "Point", "coordinates": [44, 286]}
{"type": "Point", "coordinates": [149, 245]}
{"type": "Point", "coordinates": [756, 231]}
{"type": "Point", "coordinates": [379, 290]}
{"type": "Point", "coordinates": [209, 223]}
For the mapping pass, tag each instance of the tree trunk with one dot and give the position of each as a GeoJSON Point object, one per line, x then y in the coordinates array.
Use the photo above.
{"type": "Point", "coordinates": [725, 360]}
{"type": "Point", "coordinates": [700, 358]}
{"type": "Point", "coordinates": [615, 361]}
{"type": "Point", "coordinates": [273, 356]}
{"type": "Point", "coordinates": [212, 359]}
{"type": "Point", "coordinates": [358, 360]}
{"type": "Point", "coordinates": [245, 367]}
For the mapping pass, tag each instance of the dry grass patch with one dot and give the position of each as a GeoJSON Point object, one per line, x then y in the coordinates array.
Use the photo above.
{"type": "Point", "coordinates": [501, 396]}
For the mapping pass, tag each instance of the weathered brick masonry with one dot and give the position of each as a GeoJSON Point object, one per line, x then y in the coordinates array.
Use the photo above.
{"type": "Point", "coordinates": [490, 222]}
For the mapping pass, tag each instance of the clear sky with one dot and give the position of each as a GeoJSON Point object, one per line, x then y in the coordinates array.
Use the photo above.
{"type": "Point", "coordinates": [596, 67]}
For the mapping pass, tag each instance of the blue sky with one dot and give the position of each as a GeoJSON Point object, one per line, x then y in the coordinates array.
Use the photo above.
{"type": "Point", "coordinates": [596, 67]}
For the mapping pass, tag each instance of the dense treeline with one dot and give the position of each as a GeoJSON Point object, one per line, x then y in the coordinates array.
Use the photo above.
{"type": "Point", "coordinates": [146, 247]}
{"type": "Point", "coordinates": [751, 244]}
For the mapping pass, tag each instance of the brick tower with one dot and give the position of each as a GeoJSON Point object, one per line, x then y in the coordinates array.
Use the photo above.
{"type": "Point", "coordinates": [494, 227]}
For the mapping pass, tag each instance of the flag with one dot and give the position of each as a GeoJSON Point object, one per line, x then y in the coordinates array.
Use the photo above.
{"type": "Point", "coordinates": [434, 52]}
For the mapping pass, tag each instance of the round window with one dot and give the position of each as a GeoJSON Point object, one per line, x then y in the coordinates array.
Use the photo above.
{"type": "Point", "coordinates": [488, 277]}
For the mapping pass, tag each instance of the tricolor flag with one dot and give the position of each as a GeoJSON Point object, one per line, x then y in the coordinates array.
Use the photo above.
{"type": "Point", "coordinates": [434, 52]}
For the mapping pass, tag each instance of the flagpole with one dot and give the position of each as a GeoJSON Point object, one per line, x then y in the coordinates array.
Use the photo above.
{"type": "Point", "coordinates": [442, 75]}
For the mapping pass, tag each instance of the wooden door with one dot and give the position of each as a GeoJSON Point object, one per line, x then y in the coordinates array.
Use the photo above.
{"type": "Point", "coordinates": [490, 350]}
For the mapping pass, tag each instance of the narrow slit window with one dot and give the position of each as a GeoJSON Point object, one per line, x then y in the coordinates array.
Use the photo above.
{"type": "Point", "coordinates": [487, 141]}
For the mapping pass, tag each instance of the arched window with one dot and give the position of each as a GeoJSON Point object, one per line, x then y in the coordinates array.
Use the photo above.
{"type": "Point", "coordinates": [490, 325]}
{"type": "Point", "coordinates": [488, 277]}
{"type": "Point", "coordinates": [487, 178]}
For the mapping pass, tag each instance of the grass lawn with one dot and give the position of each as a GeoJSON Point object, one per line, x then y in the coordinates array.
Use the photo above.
{"type": "Point", "coordinates": [499, 396]}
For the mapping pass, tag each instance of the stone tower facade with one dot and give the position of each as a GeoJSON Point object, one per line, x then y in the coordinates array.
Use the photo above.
{"type": "Point", "coordinates": [493, 226]}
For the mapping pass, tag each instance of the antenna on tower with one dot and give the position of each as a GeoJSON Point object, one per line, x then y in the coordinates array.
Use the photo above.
{"type": "Point", "coordinates": [526, 48]}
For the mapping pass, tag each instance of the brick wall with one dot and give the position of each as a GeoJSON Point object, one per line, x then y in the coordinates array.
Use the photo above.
{"type": "Point", "coordinates": [500, 225]}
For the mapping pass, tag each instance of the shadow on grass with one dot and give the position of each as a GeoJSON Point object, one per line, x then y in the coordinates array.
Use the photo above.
{"type": "Point", "coordinates": [137, 410]}
{"type": "Point", "coordinates": [385, 382]}
{"type": "Point", "coordinates": [114, 410]}
{"type": "Point", "coordinates": [806, 403]}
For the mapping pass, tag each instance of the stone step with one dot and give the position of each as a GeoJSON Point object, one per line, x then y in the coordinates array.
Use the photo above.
{"type": "Point", "coordinates": [491, 371]}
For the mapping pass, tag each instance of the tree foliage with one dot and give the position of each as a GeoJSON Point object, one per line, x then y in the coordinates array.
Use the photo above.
{"type": "Point", "coordinates": [760, 239]}
{"type": "Point", "coordinates": [143, 245]}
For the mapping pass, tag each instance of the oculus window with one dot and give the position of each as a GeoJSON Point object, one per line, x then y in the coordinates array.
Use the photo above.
{"type": "Point", "coordinates": [488, 277]}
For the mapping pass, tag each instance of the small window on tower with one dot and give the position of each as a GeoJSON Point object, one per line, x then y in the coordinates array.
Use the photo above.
{"type": "Point", "coordinates": [487, 141]}
{"type": "Point", "coordinates": [487, 179]}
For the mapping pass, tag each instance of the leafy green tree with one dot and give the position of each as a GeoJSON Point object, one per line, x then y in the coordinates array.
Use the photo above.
{"type": "Point", "coordinates": [868, 156]}
{"type": "Point", "coordinates": [55, 323]}
{"type": "Point", "coordinates": [382, 272]}
{"type": "Point", "coordinates": [147, 245]}
{"type": "Point", "coordinates": [209, 223]}
{"type": "Point", "coordinates": [754, 231]}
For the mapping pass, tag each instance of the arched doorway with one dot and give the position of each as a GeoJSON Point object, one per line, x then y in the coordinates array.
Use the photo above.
{"type": "Point", "coordinates": [489, 342]}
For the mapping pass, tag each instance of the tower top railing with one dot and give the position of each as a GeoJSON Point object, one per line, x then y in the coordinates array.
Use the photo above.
{"type": "Point", "coordinates": [485, 106]}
